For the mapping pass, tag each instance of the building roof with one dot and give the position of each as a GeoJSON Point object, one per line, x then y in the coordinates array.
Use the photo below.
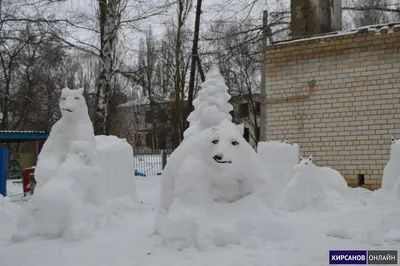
{"type": "Point", "coordinates": [22, 136]}
{"type": "Point", "coordinates": [371, 30]}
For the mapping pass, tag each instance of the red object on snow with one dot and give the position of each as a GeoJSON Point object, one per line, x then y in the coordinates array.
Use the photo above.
{"type": "Point", "coordinates": [26, 180]}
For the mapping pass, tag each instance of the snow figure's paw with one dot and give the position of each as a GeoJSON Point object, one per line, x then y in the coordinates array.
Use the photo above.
{"type": "Point", "coordinates": [46, 169]}
{"type": "Point", "coordinates": [205, 238]}
{"type": "Point", "coordinates": [178, 245]}
{"type": "Point", "coordinates": [180, 233]}
{"type": "Point", "coordinates": [83, 150]}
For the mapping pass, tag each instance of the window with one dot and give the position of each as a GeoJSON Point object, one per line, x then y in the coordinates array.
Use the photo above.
{"type": "Point", "coordinates": [361, 179]}
{"type": "Point", "coordinates": [246, 134]}
{"type": "Point", "coordinates": [162, 116]}
{"type": "Point", "coordinates": [149, 140]}
{"type": "Point", "coordinates": [258, 108]}
{"type": "Point", "coordinates": [258, 134]}
{"type": "Point", "coordinates": [149, 117]}
{"type": "Point", "coordinates": [243, 110]}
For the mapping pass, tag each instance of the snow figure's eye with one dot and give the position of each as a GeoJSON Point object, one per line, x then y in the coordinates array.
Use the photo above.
{"type": "Point", "coordinates": [234, 143]}
{"type": "Point", "coordinates": [76, 98]}
{"type": "Point", "coordinates": [63, 99]}
{"type": "Point", "coordinates": [215, 141]}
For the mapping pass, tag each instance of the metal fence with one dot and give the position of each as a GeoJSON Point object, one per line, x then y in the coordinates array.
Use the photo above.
{"type": "Point", "coordinates": [150, 162]}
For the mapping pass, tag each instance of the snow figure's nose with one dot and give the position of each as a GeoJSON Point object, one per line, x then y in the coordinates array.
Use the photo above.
{"type": "Point", "coordinates": [218, 157]}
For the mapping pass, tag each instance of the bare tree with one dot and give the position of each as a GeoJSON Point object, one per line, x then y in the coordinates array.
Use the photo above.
{"type": "Point", "coordinates": [195, 58]}
{"type": "Point", "coordinates": [183, 8]}
{"type": "Point", "coordinates": [372, 12]}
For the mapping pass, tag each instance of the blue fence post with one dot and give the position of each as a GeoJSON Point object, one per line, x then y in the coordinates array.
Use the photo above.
{"type": "Point", "coordinates": [3, 171]}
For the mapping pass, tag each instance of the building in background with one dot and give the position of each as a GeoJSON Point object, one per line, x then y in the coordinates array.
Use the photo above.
{"type": "Point", "coordinates": [338, 96]}
{"type": "Point", "coordinates": [246, 110]}
{"type": "Point", "coordinates": [148, 126]}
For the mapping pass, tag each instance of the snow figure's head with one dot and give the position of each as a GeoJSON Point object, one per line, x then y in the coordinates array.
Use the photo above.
{"type": "Point", "coordinates": [395, 150]}
{"type": "Point", "coordinates": [305, 164]}
{"type": "Point", "coordinates": [73, 104]}
{"type": "Point", "coordinates": [226, 145]}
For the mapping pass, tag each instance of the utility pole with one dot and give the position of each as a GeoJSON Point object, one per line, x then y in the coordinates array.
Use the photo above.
{"type": "Point", "coordinates": [263, 89]}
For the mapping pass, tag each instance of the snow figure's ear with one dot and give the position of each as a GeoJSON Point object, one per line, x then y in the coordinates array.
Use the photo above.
{"type": "Point", "coordinates": [301, 157]}
{"type": "Point", "coordinates": [310, 158]}
{"type": "Point", "coordinates": [393, 140]}
{"type": "Point", "coordinates": [285, 141]}
{"type": "Point", "coordinates": [240, 129]}
{"type": "Point", "coordinates": [65, 90]}
{"type": "Point", "coordinates": [80, 90]}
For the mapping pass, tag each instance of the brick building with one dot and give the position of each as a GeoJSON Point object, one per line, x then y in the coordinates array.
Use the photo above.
{"type": "Point", "coordinates": [338, 96]}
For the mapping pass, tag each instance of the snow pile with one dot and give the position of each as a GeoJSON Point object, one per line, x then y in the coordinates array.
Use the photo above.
{"type": "Point", "coordinates": [8, 210]}
{"type": "Point", "coordinates": [217, 167]}
{"type": "Point", "coordinates": [278, 160]}
{"type": "Point", "coordinates": [74, 195]}
{"type": "Point", "coordinates": [211, 105]}
{"type": "Point", "coordinates": [391, 173]}
{"type": "Point", "coordinates": [312, 187]}
{"type": "Point", "coordinates": [243, 222]}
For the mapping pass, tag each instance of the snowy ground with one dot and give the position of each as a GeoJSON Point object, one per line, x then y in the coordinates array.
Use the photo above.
{"type": "Point", "coordinates": [129, 241]}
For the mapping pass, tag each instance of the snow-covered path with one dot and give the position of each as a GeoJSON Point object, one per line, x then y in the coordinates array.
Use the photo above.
{"type": "Point", "coordinates": [129, 241]}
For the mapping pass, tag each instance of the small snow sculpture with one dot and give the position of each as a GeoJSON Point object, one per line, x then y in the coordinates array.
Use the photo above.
{"type": "Point", "coordinates": [72, 133]}
{"type": "Point", "coordinates": [391, 172]}
{"type": "Point", "coordinates": [304, 190]}
{"type": "Point", "coordinates": [312, 185]}
{"type": "Point", "coordinates": [211, 105]}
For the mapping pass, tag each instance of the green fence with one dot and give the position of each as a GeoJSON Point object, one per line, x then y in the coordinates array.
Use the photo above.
{"type": "Point", "coordinates": [151, 162]}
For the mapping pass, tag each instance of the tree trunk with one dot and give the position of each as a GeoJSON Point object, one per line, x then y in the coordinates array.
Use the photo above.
{"type": "Point", "coordinates": [177, 102]}
{"type": "Point", "coordinates": [195, 57]}
{"type": "Point", "coordinates": [108, 35]}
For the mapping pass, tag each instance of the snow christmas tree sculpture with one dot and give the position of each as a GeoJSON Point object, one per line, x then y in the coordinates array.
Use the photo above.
{"type": "Point", "coordinates": [211, 105]}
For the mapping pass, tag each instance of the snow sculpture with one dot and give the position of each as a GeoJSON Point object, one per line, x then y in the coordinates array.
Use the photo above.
{"type": "Point", "coordinates": [303, 191]}
{"type": "Point", "coordinates": [211, 105]}
{"type": "Point", "coordinates": [312, 185]}
{"type": "Point", "coordinates": [217, 166]}
{"type": "Point", "coordinates": [391, 172]}
{"type": "Point", "coordinates": [74, 172]}
{"type": "Point", "coordinates": [72, 133]}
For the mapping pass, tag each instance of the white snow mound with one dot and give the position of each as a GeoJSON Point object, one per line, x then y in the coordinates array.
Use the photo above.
{"type": "Point", "coordinates": [117, 163]}
{"type": "Point", "coordinates": [277, 160]}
